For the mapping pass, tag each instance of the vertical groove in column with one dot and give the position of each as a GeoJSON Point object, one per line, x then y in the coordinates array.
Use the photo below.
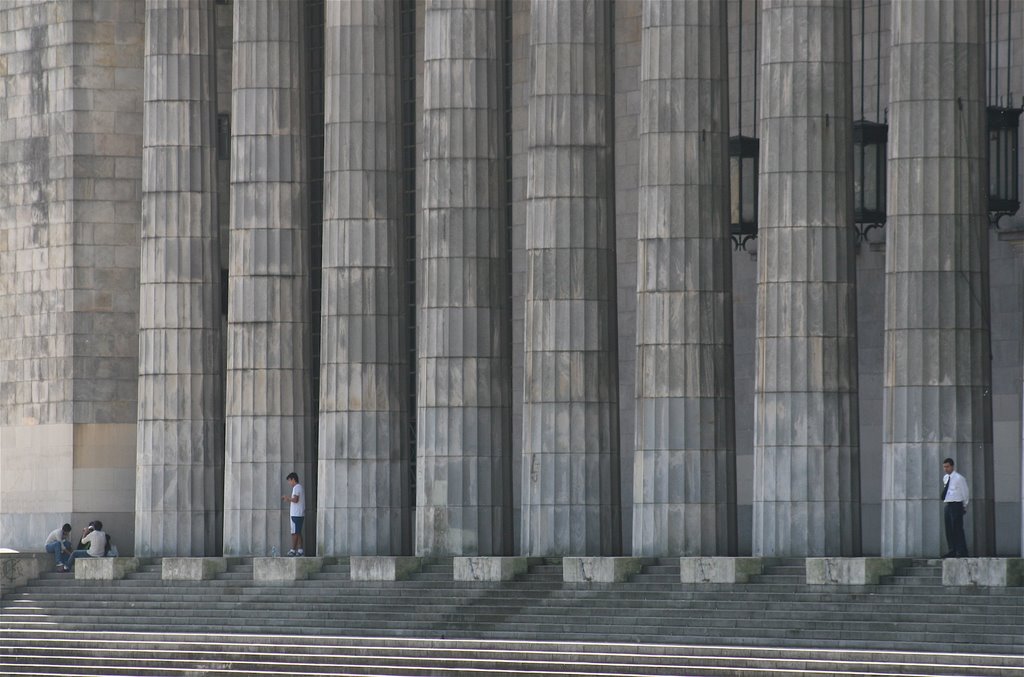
{"type": "Point", "coordinates": [267, 417]}
{"type": "Point", "coordinates": [570, 410]}
{"type": "Point", "coordinates": [462, 352]}
{"type": "Point", "coordinates": [685, 465]}
{"type": "Point", "coordinates": [937, 357]}
{"type": "Point", "coordinates": [806, 449]}
{"type": "Point", "coordinates": [179, 468]}
{"type": "Point", "coordinates": [364, 506]}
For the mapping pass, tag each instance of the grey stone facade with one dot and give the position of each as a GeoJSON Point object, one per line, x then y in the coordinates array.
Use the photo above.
{"type": "Point", "coordinates": [71, 87]}
{"type": "Point", "coordinates": [73, 405]}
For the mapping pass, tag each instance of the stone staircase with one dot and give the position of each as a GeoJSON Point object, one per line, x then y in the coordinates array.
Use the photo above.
{"type": "Point", "coordinates": [651, 625]}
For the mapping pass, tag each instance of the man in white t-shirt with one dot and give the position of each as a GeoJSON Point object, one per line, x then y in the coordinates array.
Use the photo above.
{"type": "Point", "coordinates": [297, 511]}
{"type": "Point", "coordinates": [93, 536]}
{"type": "Point", "coordinates": [58, 544]}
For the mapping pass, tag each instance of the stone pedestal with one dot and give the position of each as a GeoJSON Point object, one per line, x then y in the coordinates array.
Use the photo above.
{"type": "Point", "coordinates": [104, 568]}
{"type": "Point", "coordinates": [984, 571]}
{"type": "Point", "coordinates": [489, 568]}
{"type": "Point", "coordinates": [719, 569]}
{"type": "Point", "coordinates": [192, 568]}
{"type": "Point", "coordinates": [600, 569]}
{"type": "Point", "coordinates": [283, 569]}
{"type": "Point", "coordinates": [684, 499]}
{"type": "Point", "coordinates": [383, 568]}
{"type": "Point", "coordinates": [849, 570]}
{"type": "Point", "coordinates": [17, 569]}
{"type": "Point", "coordinates": [806, 436]}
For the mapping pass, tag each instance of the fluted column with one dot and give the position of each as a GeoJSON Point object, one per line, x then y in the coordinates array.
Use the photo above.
{"type": "Point", "coordinates": [268, 422]}
{"type": "Point", "coordinates": [937, 398]}
{"type": "Point", "coordinates": [364, 506]}
{"type": "Point", "coordinates": [570, 493]}
{"type": "Point", "coordinates": [684, 475]}
{"type": "Point", "coordinates": [806, 448]}
{"type": "Point", "coordinates": [179, 467]}
{"type": "Point", "coordinates": [463, 377]}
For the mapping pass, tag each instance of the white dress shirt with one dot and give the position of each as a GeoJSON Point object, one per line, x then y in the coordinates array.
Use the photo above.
{"type": "Point", "coordinates": [956, 488]}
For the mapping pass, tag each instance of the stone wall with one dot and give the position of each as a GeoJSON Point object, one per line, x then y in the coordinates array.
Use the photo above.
{"type": "Point", "coordinates": [71, 124]}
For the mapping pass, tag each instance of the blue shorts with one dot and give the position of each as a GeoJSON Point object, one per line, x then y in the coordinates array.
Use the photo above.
{"type": "Point", "coordinates": [297, 525]}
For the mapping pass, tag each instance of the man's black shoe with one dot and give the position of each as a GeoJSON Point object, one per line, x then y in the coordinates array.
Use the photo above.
{"type": "Point", "coordinates": [949, 554]}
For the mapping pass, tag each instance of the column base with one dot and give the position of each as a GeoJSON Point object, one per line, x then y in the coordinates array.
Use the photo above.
{"type": "Point", "coordinates": [994, 572]}
{"type": "Point", "coordinates": [283, 569]}
{"type": "Point", "coordinates": [600, 569]}
{"type": "Point", "coordinates": [850, 570]}
{"type": "Point", "coordinates": [105, 568]}
{"type": "Point", "coordinates": [383, 568]}
{"type": "Point", "coordinates": [489, 568]}
{"type": "Point", "coordinates": [719, 569]}
{"type": "Point", "coordinates": [192, 568]}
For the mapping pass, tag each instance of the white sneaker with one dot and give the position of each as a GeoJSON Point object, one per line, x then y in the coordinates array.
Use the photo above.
{"type": "Point", "coordinates": [291, 553]}
{"type": "Point", "coordinates": [300, 553]}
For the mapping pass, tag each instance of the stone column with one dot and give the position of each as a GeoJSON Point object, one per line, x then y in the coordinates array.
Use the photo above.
{"type": "Point", "coordinates": [463, 377]}
{"type": "Point", "coordinates": [180, 462]}
{"type": "Point", "coordinates": [684, 497]}
{"type": "Point", "coordinates": [364, 506]}
{"type": "Point", "coordinates": [937, 398]}
{"type": "Point", "coordinates": [806, 447]}
{"type": "Point", "coordinates": [268, 430]}
{"type": "Point", "coordinates": [570, 493]}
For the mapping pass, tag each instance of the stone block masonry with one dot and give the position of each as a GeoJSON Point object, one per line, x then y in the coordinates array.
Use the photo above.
{"type": "Point", "coordinates": [71, 132]}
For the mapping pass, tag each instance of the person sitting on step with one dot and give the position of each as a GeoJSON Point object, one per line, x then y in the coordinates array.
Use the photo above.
{"type": "Point", "coordinates": [95, 539]}
{"type": "Point", "coordinates": [58, 544]}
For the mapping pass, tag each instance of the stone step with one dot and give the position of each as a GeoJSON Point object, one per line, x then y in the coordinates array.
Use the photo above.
{"type": "Point", "coordinates": [277, 599]}
{"type": "Point", "coordinates": [264, 655]}
{"type": "Point", "coordinates": [172, 590]}
{"type": "Point", "coordinates": [854, 641]}
{"type": "Point", "coordinates": [529, 625]}
{"type": "Point", "coordinates": [854, 635]}
{"type": "Point", "coordinates": [553, 607]}
{"type": "Point", "coordinates": [103, 641]}
{"type": "Point", "coordinates": [65, 583]}
{"type": "Point", "coordinates": [913, 611]}
{"type": "Point", "coordinates": [300, 595]}
{"type": "Point", "coordinates": [724, 633]}
{"type": "Point", "coordinates": [576, 665]}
